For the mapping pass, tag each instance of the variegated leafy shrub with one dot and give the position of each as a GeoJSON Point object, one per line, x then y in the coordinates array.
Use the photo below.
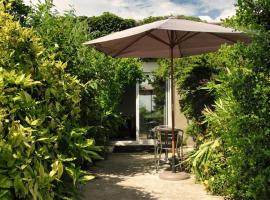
{"type": "Point", "coordinates": [41, 144]}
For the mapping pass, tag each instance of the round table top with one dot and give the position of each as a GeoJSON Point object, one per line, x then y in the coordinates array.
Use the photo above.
{"type": "Point", "coordinates": [167, 129]}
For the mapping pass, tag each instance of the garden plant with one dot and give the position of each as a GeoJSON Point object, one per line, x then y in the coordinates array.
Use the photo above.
{"type": "Point", "coordinates": [59, 102]}
{"type": "Point", "coordinates": [42, 144]}
{"type": "Point", "coordinates": [225, 96]}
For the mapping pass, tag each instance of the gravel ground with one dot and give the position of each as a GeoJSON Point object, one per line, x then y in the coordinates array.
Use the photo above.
{"type": "Point", "coordinates": [132, 176]}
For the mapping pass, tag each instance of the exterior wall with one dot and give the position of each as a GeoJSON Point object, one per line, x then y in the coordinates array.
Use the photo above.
{"type": "Point", "coordinates": [180, 119]}
{"type": "Point", "coordinates": [137, 112]}
{"type": "Point", "coordinates": [149, 67]}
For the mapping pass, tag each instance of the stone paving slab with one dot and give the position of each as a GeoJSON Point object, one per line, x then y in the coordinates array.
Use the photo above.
{"type": "Point", "coordinates": [132, 176]}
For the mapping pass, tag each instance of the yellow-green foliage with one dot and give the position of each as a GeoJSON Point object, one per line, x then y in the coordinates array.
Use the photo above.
{"type": "Point", "coordinates": [41, 145]}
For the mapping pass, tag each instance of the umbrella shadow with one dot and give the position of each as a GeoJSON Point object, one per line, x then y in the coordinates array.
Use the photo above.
{"type": "Point", "coordinates": [113, 174]}
{"type": "Point", "coordinates": [126, 164]}
{"type": "Point", "coordinates": [104, 188]}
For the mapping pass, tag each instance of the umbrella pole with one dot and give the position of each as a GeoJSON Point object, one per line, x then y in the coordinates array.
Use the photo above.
{"type": "Point", "coordinates": [172, 175]}
{"type": "Point", "coordinates": [172, 113]}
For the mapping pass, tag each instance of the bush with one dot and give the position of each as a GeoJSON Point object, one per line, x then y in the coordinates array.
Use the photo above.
{"type": "Point", "coordinates": [243, 128]}
{"type": "Point", "coordinates": [41, 144]}
{"type": "Point", "coordinates": [192, 75]}
{"type": "Point", "coordinates": [106, 78]}
{"type": "Point", "coordinates": [240, 120]}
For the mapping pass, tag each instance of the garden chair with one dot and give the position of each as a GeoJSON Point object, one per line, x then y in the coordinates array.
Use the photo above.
{"type": "Point", "coordinates": [163, 143]}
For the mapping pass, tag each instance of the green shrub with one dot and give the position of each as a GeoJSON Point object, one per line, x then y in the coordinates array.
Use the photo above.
{"type": "Point", "coordinates": [244, 135]}
{"type": "Point", "coordinates": [239, 121]}
{"type": "Point", "coordinates": [41, 144]}
{"type": "Point", "coordinates": [18, 10]}
{"type": "Point", "coordinates": [105, 77]}
{"type": "Point", "coordinates": [241, 116]}
{"type": "Point", "coordinates": [192, 75]}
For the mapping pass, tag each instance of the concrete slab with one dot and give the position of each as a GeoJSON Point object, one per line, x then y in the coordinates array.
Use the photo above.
{"type": "Point", "coordinates": [133, 142]}
{"type": "Point", "coordinates": [132, 176]}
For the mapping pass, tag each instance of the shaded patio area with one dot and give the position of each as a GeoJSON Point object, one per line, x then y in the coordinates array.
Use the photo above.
{"type": "Point", "coordinates": [132, 176]}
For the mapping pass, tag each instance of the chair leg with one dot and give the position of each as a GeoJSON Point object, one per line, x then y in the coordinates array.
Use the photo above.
{"type": "Point", "coordinates": [178, 153]}
{"type": "Point", "coordinates": [179, 159]}
{"type": "Point", "coordinates": [159, 156]}
{"type": "Point", "coordinates": [166, 152]}
{"type": "Point", "coordinates": [155, 156]}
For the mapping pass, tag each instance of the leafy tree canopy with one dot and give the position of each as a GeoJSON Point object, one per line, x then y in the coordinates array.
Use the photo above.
{"type": "Point", "coordinates": [107, 23]}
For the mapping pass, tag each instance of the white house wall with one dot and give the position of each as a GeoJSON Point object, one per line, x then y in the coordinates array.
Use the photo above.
{"type": "Point", "coordinates": [137, 112]}
{"type": "Point", "coordinates": [180, 120]}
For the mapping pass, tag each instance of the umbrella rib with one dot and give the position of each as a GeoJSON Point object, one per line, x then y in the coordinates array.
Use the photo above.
{"type": "Point", "coordinates": [181, 38]}
{"type": "Point", "coordinates": [169, 37]}
{"type": "Point", "coordinates": [158, 39]}
{"type": "Point", "coordinates": [222, 37]}
{"type": "Point", "coordinates": [131, 43]}
{"type": "Point", "coordinates": [188, 37]}
{"type": "Point", "coordinates": [180, 52]}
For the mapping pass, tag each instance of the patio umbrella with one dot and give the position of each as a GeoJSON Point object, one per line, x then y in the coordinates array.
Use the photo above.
{"type": "Point", "coordinates": [171, 38]}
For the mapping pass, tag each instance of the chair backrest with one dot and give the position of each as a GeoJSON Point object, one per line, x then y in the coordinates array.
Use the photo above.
{"type": "Point", "coordinates": [159, 126]}
{"type": "Point", "coordinates": [165, 138]}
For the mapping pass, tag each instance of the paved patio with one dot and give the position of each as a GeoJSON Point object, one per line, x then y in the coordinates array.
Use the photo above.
{"type": "Point", "coordinates": [126, 176]}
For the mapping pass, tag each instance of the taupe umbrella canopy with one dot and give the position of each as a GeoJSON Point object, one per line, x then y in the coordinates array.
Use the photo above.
{"type": "Point", "coordinates": [155, 39]}
{"type": "Point", "coordinates": [171, 38]}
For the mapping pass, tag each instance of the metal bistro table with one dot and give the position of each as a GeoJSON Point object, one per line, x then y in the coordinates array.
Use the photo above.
{"type": "Point", "coordinates": [163, 142]}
